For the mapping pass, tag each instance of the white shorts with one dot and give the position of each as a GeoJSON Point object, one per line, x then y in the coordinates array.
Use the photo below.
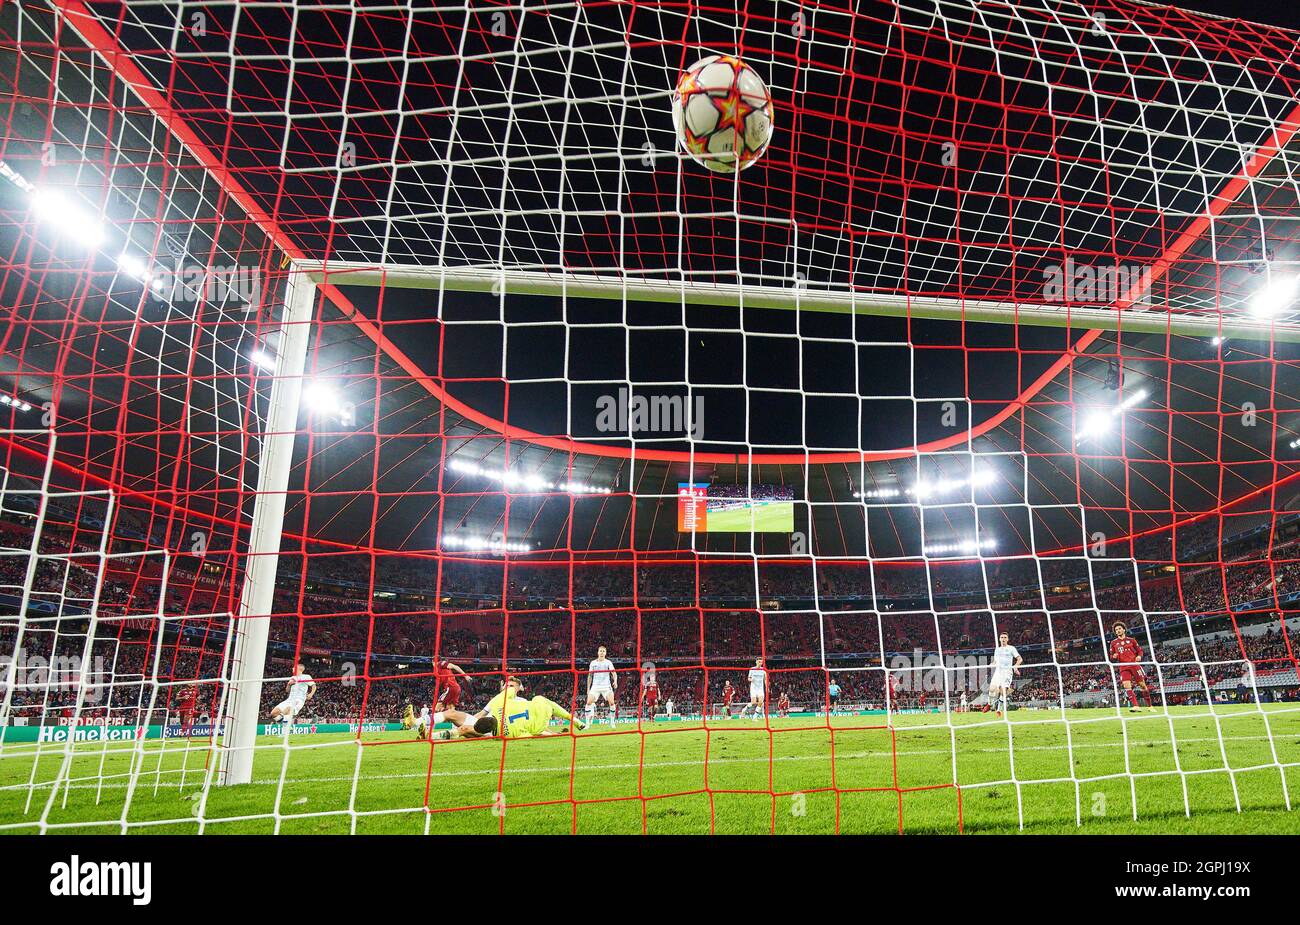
{"type": "Point", "coordinates": [1001, 679]}
{"type": "Point", "coordinates": [756, 693]}
{"type": "Point", "coordinates": [291, 707]}
{"type": "Point", "coordinates": [603, 690]}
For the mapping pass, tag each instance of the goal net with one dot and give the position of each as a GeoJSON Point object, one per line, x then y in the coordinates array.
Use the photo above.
{"type": "Point", "coordinates": [357, 359]}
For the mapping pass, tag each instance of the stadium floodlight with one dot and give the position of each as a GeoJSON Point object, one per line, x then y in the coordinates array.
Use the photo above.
{"type": "Point", "coordinates": [1276, 297]}
{"type": "Point", "coordinates": [879, 493]}
{"type": "Point", "coordinates": [960, 547]}
{"type": "Point", "coordinates": [581, 488]}
{"type": "Point", "coordinates": [525, 481]}
{"type": "Point", "coordinates": [1101, 421]}
{"type": "Point", "coordinates": [16, 178]}
{"type": "Point", "coordinates": [75, 223]}
{"type": "Point", "coordinates": [263, 359]}
{"type": "Point", "coordinates": [135, 266]}
{"type": "Point", "coordinates": [1098, 422]}
{"type": "Point", "coordinates": [482, 544]}
{"type": "Point", "coordinates": [980, 478]}
{"type": "Point", "coordinates": [321, 397]}
{"type": "Point", "coordinates": [1133, 399]}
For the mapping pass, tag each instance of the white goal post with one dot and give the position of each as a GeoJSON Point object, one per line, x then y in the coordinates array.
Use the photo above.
{"type": "Point", "coordinates": [792, 295]}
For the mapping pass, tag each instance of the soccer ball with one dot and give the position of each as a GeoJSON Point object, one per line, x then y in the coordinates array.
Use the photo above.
{"type": "Point", "coordinates": [723, 113]}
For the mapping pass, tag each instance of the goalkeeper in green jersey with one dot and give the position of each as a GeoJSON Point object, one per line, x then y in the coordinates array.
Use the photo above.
{"type": "Point", "coordinates": [507, 714]}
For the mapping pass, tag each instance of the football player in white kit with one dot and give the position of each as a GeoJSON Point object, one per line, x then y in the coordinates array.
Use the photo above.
{"type": "Point", "coordinates": [300, 688]}
{"type": "Point", "coordinates": [1006, 664]}
{"type": "Point", "coordinates": [757, 689]}
{"type": "Point", "coordinates": [425, 723]}
{"type": "Point", "coordinates": [602, 681]}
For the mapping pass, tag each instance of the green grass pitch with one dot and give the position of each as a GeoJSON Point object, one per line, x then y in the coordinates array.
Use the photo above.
{"type": "Point", "coordinates": [733, 776]}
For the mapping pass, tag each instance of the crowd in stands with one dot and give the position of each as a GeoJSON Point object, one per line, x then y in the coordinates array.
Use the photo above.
{"type": "Point", "coordinates": [369, 624]}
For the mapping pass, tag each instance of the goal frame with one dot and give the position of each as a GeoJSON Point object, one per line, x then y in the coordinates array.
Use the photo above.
{"type": "Point", "coordinates": [310, 280]}
{"type": "Point", "coordinates": [796, 297]}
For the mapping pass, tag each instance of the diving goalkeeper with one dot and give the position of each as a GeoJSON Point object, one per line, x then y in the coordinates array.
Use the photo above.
{"type": "Point", "coordinates": [507, 714]}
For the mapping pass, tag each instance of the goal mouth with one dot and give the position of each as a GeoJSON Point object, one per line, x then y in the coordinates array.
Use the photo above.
{"type": "Point", "coordinates": [364, 358]}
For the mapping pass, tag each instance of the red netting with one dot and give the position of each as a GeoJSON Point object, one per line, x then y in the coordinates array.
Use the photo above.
{"type": "Point", "coordinates": [996, 338]}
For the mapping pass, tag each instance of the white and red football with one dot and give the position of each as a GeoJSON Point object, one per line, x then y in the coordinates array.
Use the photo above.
{"type": "Point", "coordinates": [722, 111]}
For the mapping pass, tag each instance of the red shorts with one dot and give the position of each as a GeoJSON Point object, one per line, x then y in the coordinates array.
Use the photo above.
{"type": "Point", "coordinates": [448, 695]}
{"type": "Point", "coordinates": [1132, 674]}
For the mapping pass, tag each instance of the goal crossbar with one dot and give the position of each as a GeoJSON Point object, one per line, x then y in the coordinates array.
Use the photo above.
{"type": "Point", "coordinates": [1146, 320]}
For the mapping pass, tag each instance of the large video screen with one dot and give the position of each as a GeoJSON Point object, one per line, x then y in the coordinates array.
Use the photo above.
{"type": "Point", "coordinates": [707, 508]}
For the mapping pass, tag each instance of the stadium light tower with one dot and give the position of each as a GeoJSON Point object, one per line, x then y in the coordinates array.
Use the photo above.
{"type": "Point", "coordinates": [257, 599]}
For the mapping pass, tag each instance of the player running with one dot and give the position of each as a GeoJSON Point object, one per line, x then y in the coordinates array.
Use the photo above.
{"type": "Point", "coordinates": [602, 682]}
{"type": "Point", "coordinates": [446, 688]}
{"type": "Point", "coordinates": [300, 689]}
{"type": "Point", "coordinates": [1006, 664]}
{"type": "Point", "coordinates": [757, 689]}
{"type": "Point", "coordinates": [1125, 650]}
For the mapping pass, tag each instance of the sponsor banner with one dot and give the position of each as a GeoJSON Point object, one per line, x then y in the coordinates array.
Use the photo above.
{"type": "Point", "coordinates": [59, 734]}
{"type": "Point", "coordinates": [306, 729]}
{"type": "Point", "coordinates": [193, 731]}
{"type": "Point", "coordinates": [74, 733]}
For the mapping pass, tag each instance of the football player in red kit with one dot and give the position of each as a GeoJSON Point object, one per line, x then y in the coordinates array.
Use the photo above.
{"type": "Point", "coordinates": [1127, 653]}
{"type": "Point", "coordinates": [446, 689]}
{"type": "Point", "coordinates": [187, 704]}
{"type": "Point", "coordinates": [650, 695]}
{"type": "Point", "coordinates": [728, 695]}
{"type": "Point", "coordinates": [783, 704]}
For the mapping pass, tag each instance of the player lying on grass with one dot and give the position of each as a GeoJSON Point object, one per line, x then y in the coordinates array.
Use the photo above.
{"type": "Point", "coordinates": [1126, 650]}
{"type": "Point", "coordinates": [509, 715]}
